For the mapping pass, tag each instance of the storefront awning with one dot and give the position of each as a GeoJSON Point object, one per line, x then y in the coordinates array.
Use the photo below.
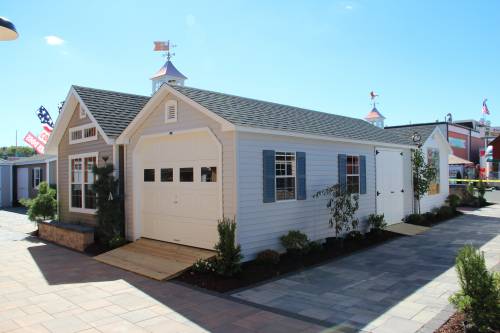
{"type": "Point", "coordinates": [453, 159]}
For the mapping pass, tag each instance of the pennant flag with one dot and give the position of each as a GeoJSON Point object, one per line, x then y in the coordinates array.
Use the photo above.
{"type": "Point", "coordinates": [485, 107]}
{"type": "Point", "coordinates": [373, 95]}
{"type": "Point", "coordinates": [161, 46]}
{"type": "Point", "coordinates": [44, 116]}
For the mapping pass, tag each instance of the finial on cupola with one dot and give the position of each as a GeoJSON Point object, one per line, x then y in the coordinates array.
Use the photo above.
{"type": "Point", "coordinates": [374, 117]}
{"type": "Point", "coordinates": [167, 73]}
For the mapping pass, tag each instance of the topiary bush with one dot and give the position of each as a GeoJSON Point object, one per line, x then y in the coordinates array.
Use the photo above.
{"type": "Point", "coordinates": [228, 257]}
{"type": "Point", "coordinates": [295, 242]}
{"type": "Point", "coordinates": [479, 295]}
{"type": "Point", "coordinates": [268, 258]}
{"type": "Point", "coordinates": [43, 206]}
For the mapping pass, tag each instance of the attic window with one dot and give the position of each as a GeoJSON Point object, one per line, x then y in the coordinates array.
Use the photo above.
{"type": "Point", "coordinates": [171, 111]}
{"type": "Point", "coordinates": [82, 133]}
{"type": "Point", "coordinates": [83, 114]}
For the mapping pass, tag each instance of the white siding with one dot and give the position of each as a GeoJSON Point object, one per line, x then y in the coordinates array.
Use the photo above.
{"type": "Point", "coordinates": [5, 186]}
{"type": "Point", "coordinates": [261, 224]}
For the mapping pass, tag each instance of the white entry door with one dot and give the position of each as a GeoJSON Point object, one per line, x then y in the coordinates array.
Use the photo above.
{"type": "Point", "coordinates": [22, 183]}
{"type": "Point", "coordinates": [390, 185]}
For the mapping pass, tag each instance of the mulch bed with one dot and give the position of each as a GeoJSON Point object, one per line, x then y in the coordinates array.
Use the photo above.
{"type": "Point", "coordinates": [253, 272]}
{"type": "Point", "coordinates": [453, 325]}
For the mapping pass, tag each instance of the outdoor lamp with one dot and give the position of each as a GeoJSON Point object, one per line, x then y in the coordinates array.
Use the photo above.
{"type": "Point", "coordinates": [416, 139]}
{"type": "Point", "coordinates": [7, 30]}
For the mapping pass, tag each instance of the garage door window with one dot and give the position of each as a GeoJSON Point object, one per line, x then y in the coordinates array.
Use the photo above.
{"type": "Point", "coordinates": [83, 197]}
{"type": "Point", "coordinates": [208, 174]}
{"type": "Point", "coordinates": [285, 176]}
{"type": "Point", "coordinates": [186, 175]}
{"type": "Point", "coordinates": [167, 175]}
{"type": "Point", "coordinates": [149, 175]}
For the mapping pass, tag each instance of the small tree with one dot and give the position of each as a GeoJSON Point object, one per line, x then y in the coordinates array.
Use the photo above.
{"type": "Point", "coordinates": [228, 258]}
{"type": "Point", "coordinates": [423, 175]}
{"type": "Point", "coordinates": [479, 297]}
{"type": "Point", "coordinates": [343, 207]}
{"type": "Point", "coordinates": [109, 213]}
{"type": "Point", "coordinates": [44, 205]}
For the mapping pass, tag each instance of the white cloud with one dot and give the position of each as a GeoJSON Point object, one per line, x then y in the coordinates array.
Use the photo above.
{"type": "Point", "coordinates": [54, 40]}
{"type": "Point", "coordinates": [190, 20]}
{"type": "Point", "coordinates": [348, 7]}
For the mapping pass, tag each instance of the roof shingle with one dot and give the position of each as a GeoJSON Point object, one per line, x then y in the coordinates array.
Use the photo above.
{"type": "Point", "coordinates": [406, 132]}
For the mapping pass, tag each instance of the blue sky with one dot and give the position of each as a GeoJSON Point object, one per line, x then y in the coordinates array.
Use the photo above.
{"type": "Point", "coordinates": [424, 58]}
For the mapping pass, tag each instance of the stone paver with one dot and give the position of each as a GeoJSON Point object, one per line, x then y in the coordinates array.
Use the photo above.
{"type": "Point", "coordinates": [47, 288]}
{"type": "Point", "coordinates": [399, 286]}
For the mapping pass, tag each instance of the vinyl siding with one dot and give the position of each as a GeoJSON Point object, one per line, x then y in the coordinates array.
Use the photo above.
{"type": "Point", "coordinates": [261, 224]}
{"type": "Point", "coordinates": [64, 151]}
{"type": "Point", "coordinates": [187, 118]}
{"type": "Point", "coordinates": [53, 173]}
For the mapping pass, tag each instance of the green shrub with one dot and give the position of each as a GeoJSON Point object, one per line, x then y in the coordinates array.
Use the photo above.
{"type": "Point", "coordinates": [117, 241]}
{"type": "Point", "coordinates": [479, 295]}
{"type": "Point", "coordinates": [203, 266]}
{"type": "Point", "coordinates": [453, 201]}
{"type": "Point", "coordinates": [377, 223]}
{"type": "Point", "coordinates": [445, 212]}
{"type": "Point", "coordinates": [295, 242]}
{"type": "Point", "coordinates": [354, 235]}
{"type": "Point", "coordinates": [428, 218]}
{"type": "Point", "coordinates": [268, 257]}
{"type": "Point", "coordinates": [44, 205]}
{"type": "Point", "coordinates": [414, 219]}
{"type": "Point", "coordinates": [228, 258]}
{"type": "Point", "coordinates": [481, 191]}
{"type": "Point", "coordinates": [315, 247]}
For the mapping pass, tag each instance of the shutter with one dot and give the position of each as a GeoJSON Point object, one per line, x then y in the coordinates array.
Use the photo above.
{"type": "Point", "coordinates": [362, 174]}
{"type": "Point", "coordinates": [342, 172]}
{"type": "Point", "coordinates": [301, 175]}
{"type": "Point", "coordinates": [269, 172]}
{"type": "Point", "coordinates": [41, 175]}
{"type": "Point", "coordinates": [32, 178]}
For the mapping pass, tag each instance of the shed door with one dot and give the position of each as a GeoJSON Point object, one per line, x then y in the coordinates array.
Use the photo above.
{"type": "Point", "coordinates": [22, 183]}
{"type": "Point", "coordinates": [390, 184]}
{"type": "Point", "coordinates": [183, 202]}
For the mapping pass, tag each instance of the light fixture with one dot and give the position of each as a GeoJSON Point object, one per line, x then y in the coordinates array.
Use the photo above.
{"type": "Point", "coordinates": [7, 30]}
{"type": "Point", "coordinates": [416, 138]}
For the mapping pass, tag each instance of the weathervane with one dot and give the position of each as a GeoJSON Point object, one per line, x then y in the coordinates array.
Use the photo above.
{"type": "Point", "coordinates": [373, 95]}
{"type": "Point", "coordinates": [163, 46]}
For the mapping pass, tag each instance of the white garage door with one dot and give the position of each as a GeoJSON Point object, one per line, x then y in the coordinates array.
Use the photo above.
{"type": "Point", "coordinates": [390, 185]}
{"type": "Point", "coordinates": [180, 185]}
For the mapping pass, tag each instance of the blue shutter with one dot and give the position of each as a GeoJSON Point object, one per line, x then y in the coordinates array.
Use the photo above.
{"type": "Point", "coordinates": [362, 174]}
{"type": "Point", "coordinates": [301, 175]}
{"type": "Point", "coordinates": [342, 171]}
{"type": "Point", "coordinates": [269, 172]}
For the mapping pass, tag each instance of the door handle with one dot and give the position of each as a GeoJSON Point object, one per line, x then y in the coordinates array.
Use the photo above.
{"type": "Point", "coordinates": [378, 193]}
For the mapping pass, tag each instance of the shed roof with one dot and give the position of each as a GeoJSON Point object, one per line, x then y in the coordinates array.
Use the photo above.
{"type": "Point", "coordinates": [406, 132]}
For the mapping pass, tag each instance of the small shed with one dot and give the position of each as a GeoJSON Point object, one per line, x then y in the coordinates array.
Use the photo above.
{"type": "Point", "coordinates": [5, 183]}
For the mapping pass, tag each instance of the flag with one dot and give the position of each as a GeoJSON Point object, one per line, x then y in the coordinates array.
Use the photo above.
{"type": "Point", "coordinates": [34, 142]}
{"type": "Point", "coordinates": [161, 46]}
{"type": "Point", "coordinates": [373, 95]}
{"type": "Point", "coordinates": [44, 116]}
{"type": "Point", "coordinates": [485, 107]}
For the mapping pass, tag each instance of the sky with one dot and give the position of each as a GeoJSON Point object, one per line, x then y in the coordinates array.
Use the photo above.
{"type": "Point", "coordinates": [424, 58]}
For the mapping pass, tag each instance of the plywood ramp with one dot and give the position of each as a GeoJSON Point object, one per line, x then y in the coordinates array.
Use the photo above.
{"type": "Point", "coordinates": [406, 229]}
{"type": "Point", "coordinates": [154, 259]}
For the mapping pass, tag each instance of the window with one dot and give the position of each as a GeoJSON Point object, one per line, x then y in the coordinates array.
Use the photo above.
{"type": "Point", "coordinates": [167, 175]}
{"type": "Point", "coordinates": [83, 114]}
{"type": "Point", "coordinates": [171, 111]}
{"type": "Point", "coordinates": [82, 133]}
{"type": "Point", "coordinates": [37, 177]}
{"type": "Point", "coordinates": [82, 179]}
{"type": "Point", "coordinates": [185, 175]}
{"type": "Point", "coordinates": [149, 175]}
{"type": "Point", "coordinates": [433, 160]}
{"type": "Point", "coordinates": [208, 174]}
{"type": "Point", "coordinates": [352, 174]}
{"type": "Point", "coordinates": [285, 176]}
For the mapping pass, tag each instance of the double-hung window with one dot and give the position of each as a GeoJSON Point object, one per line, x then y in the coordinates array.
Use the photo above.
{"type": "Point", "coordinates": [82, 195]}
{"type": "Point", "coordinates": [352, 174]}
{"type": "Point", "coordinates": [285, 176]}
{"type": "Point", "coordinates": [37, 177]}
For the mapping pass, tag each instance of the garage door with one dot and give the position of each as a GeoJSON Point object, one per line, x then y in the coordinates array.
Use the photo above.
{"type": "Point", "coordinates": [390, 184]}
{"type": "Point", "coordinates": [180, 186]}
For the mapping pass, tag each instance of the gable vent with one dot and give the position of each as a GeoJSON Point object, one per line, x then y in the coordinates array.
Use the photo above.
{"type": "Point", "coordinates": [171, 111]}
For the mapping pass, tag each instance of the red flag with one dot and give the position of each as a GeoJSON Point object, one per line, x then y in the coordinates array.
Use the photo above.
{"type": "Point", "coordinates": [34, 142]}
{"type": "Point", "coordinates": [161, 46]}
{"type": "Point", "coordinates": [485, 107]}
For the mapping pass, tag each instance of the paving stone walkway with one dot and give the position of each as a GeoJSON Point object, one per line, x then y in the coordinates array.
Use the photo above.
{"type": "Point", "coordinates": [47, 288]}
{"type": "Point", "coordinates": [400, 286]}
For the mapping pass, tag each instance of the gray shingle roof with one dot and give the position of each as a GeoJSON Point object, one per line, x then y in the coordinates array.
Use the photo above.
{"type": "Point", "coordinates": [248, 112]}
{"type": "Point", "coordinates": [112, 110]}
{"type": "Point", "coordinates": [406, 132]}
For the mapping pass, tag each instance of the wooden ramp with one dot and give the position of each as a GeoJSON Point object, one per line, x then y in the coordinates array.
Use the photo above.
{"type": "Point", "coordinates": [406, 229]}
{"type": "Point", "coordinates": [154, 259]}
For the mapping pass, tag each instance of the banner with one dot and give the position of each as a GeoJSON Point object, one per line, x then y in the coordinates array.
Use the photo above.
{"type": "Point", "coordinates": [35, 143]}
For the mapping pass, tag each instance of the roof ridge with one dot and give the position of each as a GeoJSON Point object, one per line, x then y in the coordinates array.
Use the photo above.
{"type": "Point", "coordinates": [110, 91]}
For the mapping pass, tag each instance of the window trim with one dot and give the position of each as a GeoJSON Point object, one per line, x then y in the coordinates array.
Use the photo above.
{"type": "Point", "coordinates": [293, 176]}
{"type": "Point", "coordinates": [353, 174]}
{"type": "Point", "coordinates": [70, 158]}
{"type": "Point", "coordinates": [39, 170]}
{"type": "Point", "coordinates": [82, 129]}
{"type": "Point", "coordinates": [169, 103]}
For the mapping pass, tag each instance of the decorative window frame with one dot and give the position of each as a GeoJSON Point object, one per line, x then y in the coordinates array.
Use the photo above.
{"type": "Point", "coordinates": [294, 176]}
{"type": "Point", "coordinates": [70, 158]}
{"type": "Point", "coordinates": [82, 113]}
{"type": "Point", "coordinates": [172, 103]}
{"type": "Point", "coordinates": [82, 129]}
{"type": "Point", "coordinates": [347, 175]}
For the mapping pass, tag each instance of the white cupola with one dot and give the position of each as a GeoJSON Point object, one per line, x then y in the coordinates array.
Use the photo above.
{"type": "Point", "coordinates": [375, 118]}
{"type": "Point", "coordinates": [167, 74]}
